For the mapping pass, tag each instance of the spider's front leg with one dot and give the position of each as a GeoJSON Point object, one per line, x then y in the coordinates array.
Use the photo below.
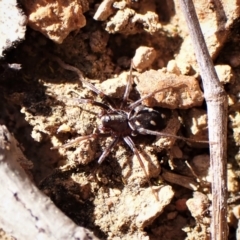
{"type": "Point", "coordinates": [76, 141]}
{"type": "Point", "coordinates": [92, 102]}
{"type": "Point", "coordinates": [89, 85]}
{"type": "Point", "coordinates": [128, 88]}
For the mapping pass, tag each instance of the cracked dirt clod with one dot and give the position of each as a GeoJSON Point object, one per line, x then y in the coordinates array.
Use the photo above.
{"type": "Point", "coordinates": [198, 204]}
{"type": "Point", "coordinates": [56, 19]}
{"type": "Point", "coordinates": [133, 210]}
{"type": "Point", "coordinates": [128, 21]}
{"type": "Point", "coordinates": [120, 22]}
{"type": "Point", "coordinates": [175, 91]}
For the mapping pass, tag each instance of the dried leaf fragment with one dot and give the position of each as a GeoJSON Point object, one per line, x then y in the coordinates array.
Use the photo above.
{"type": "Point", "coordinates": [183, 181]}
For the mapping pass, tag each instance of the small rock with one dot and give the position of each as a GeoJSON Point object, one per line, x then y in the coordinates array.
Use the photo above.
{"type": "Point", "coordinates": [173, 68]}
{"type": "Point", "coordinates": [198, 204]}
{"type": "Point", "coordinates": [152, 209]}
{"type": "Point", "coordinates": [232, 181]}
{"type": "Point", "coordinates": [234, 122]}
{"type": "Point", "coordinates": [120, 21]}
{"type": "Point", "coordinates": [143, 58]}
{"type": "Point", "coordinates": [234, 60]}
{"type": "Point", "coordinates": [224, 73]}
{"type": "Point", "coordinates": [120, 5]}
{"type": "Point", "coordinates": [64, 128]}
{"type": "Point", "coordinates": [135, 208]}
{"type": "Point", "coordinates": [104, 10]}
{"type": "Point", "coordinates": [37, 136]}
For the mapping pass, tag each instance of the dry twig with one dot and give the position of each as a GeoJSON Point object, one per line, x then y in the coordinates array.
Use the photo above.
{"type": "Point", "coordinates": [23, 206]}
{"type": "Point", "coordinates": [217, 123]}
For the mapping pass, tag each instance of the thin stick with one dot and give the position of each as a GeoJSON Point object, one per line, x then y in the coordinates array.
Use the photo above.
{"type": "Point", "coordinates": [217, 123]}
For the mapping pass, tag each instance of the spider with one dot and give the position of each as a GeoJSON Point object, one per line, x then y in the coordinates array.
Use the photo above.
{"type": "Point", "coordinates": [123, 122]}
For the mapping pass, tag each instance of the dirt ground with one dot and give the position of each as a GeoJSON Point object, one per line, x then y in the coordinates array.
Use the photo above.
{"type": "Point", "coordinates": [39, 105]}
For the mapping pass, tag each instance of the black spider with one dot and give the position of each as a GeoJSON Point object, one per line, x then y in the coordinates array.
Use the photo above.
{"type": "Point", "coordinates": [122, 122]}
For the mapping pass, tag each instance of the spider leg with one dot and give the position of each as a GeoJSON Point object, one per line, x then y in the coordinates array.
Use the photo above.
{"type": "Point", "coordinates": [76, 140]}
{"type": "Point", "coordinates": [131, 144]}
{"type": "Point", "coordinates": [128, 87]}
{"type": "Point", "coordinates": [83, 80]}
{"type": "Point", "coordinates": [90, 101]}
{"type": "Point", "coordinates": [144, 131]}
{"type": "Point", "coordinates": [79, 73]}
{"type": "Point", "coordinates": [108, 150]}
{"type": "Point", "coordinates": [85, 101]}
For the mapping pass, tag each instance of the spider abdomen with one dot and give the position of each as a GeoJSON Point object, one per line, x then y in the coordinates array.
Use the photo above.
{"type": "Point", "coordinates": [150, 118]}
